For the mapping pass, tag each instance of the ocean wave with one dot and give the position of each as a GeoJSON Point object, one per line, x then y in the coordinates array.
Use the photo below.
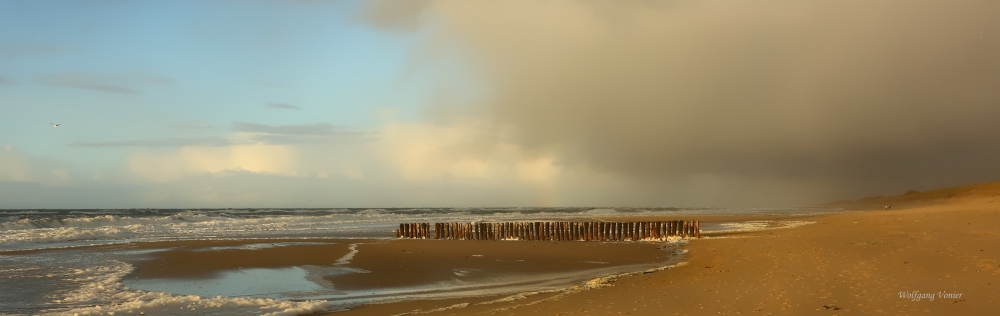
{"type": "Point", "coordinates": [19, 231]}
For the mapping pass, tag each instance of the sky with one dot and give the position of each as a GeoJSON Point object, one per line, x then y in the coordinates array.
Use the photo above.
{"type": "Point", "coordinates": [425, 103]}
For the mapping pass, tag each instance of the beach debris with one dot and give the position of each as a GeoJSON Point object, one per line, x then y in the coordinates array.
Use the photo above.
{"type": "Point", "coordinates": [833, 307]}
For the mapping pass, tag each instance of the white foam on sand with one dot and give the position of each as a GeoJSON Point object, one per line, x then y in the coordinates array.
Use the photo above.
{"type": "Point", "coordinates": [260, 246]}
{"type": "Point", "coordinates": [346, 259]}
{"type": "Point", "coordinates": [439, 309]}
{"type": "Point", "coordinates": [750, 226]}
{"type": "Point", "coordinates": [102, 293]}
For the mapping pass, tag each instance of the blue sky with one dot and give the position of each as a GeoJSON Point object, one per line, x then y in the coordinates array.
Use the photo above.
{"type": "Point", "coordinates": [115, 70]}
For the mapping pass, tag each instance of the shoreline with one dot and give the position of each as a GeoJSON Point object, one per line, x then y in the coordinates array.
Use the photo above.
{"type": "Point", "coordinates": [860, 262]}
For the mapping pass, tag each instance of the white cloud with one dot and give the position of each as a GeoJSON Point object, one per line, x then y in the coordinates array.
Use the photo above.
{"type": "Point", "coordinates": [172, 165]}
{"type": "Point", "coordinates": [423, 152]}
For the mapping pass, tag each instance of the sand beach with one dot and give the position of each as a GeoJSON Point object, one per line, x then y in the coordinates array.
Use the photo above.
{"type": "Point", "coordinates": [866, 262]}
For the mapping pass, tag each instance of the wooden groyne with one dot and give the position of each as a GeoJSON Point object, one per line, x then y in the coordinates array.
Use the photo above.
{"type": "Point", "coordinates": [554, 231]}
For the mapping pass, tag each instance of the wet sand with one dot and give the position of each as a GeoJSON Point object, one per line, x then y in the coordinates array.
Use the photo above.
{"type": "Point", "coordinates": [854, 263]}
{"type": "Point", "coordinates": [413, 262]}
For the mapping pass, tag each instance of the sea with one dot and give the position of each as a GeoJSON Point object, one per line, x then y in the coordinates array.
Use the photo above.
{"type": "Point", "coordinates": [45, 269]}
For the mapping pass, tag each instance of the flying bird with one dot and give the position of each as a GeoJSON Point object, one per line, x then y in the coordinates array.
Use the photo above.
{"type": "Point", "coordinates": [55, 125]}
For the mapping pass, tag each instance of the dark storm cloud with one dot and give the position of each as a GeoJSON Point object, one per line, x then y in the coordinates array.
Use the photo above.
{"type": "Point", "coordinates": [863, 97]}
{"type": "Point", "coordinates": [282, 106]}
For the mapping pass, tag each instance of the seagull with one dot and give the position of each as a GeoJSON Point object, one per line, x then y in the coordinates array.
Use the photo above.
{"type": "Point", "coordinates": [55, 125]}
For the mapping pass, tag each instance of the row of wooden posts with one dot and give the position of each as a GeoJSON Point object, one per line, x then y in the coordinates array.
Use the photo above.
{"type": "Point", "coordinates": [556, 231]}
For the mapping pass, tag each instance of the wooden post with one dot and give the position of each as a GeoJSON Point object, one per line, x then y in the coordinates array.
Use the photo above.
{"type": "Point", "coordinates": [540, 231]}
{"type": "Point", "coordinates": [654, 228]}
{"type": "Point", "coordinates": [600, 231]}
{"type": "Point", "coordinates": [526, 228]}
{"type": "Point", "coordinates": [558, 231]}
{"type": "Point", "coordinates": [605, 231]}
{"type": "Point", "coordinates": [697, 229]}
{"type": "Point", "coordinates": [536, 231]}
{"type": "Point", "coordinates": [613, 233]}
{"type": "Point", "coordinates": [545, 231]}
{"type": "Point", "coordinates": [644, 230]}
{"type": "Point", "coordinates": [592, 231]}
{"type": "Point", "coordinates": [624, 231]}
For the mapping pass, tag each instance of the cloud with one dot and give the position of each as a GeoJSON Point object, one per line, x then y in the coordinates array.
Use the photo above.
{"type": "Point", "coordinates": [4, 80]}
{"type": "Point", "coordinates": [17, 166]}
{"type": "Point", "coordinates": [268, 159]}
{"type": "Point", "coordinates": [282, 106]}
{"type": "Point", "coordinates": [394, 15]}
{"type": "Point", "coordinates": [114, 83]}
{"type": "Point", "coordinates": [319, 129]}
{"type": "Point", "coordinates": [162, 142]}
{"type": "Point", "coordinates": [248, 134]}
{"type": "Point", "coordinates": [297, 134]}
{"type": "Point", "coordinates": [734, 96]}
{"type": "Point", "coordinates": [13, 50]}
